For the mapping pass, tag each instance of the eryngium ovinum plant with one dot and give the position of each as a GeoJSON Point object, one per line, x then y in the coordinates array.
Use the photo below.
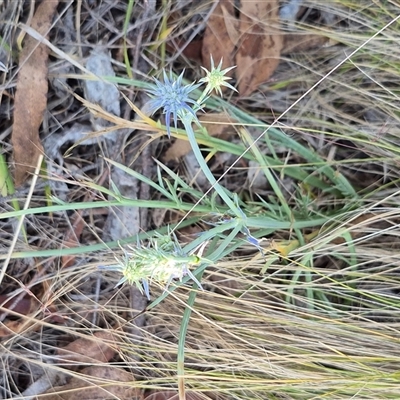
{"type": "Point", "coordinates": [162, 259]}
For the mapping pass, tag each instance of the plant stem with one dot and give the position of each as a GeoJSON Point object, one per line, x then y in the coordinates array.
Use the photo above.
{"type": "Point", "coordinates": [187, 122]}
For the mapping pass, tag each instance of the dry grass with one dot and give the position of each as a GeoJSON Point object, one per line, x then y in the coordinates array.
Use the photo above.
{"type": "Point", "coordinates": [319, 321]}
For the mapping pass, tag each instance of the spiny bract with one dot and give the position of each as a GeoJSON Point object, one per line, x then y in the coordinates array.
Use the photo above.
{"type": "Point", "coordinates": [162, 260]}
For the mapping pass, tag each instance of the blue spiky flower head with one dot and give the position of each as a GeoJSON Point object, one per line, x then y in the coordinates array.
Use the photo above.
{"type": "Point", "coordinates": [173, 97]}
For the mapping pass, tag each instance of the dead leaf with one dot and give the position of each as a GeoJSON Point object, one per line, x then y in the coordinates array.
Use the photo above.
{"type": "Point", "coordinates": [97, 382]}
{"type": "Point", "coordinates": [10, 328]}
{"type": "Point", "coordinates": [179, 148]}
{"type": "Point", "coordinates": [260, 45]}
{"type": "Point", "coordinates": [218, 125]}
{"type": "Point", "coordinates": [217, 41]}
{"type": "Point", "coordinates": [191, 50]}
{"type": "Point", "coordinates": [252, 42]}
{"type": "Point", "coordinates": [158, 216]}
{"type": "Point", "coordinates": [88, 350]}
{"type": "Point", "coordinates": [300, 43]}
{"type": "Point", "coordinates": [72, 238]}
{"type": "Point", "coordinates": [31, 96]}
{"type": "Point", "coordinates": [21, 305]}
{"type": "Point", "coordinates": [171, 395]}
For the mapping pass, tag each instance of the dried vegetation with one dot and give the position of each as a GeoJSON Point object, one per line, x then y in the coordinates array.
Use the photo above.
{"type": "Point", "coordinates": [317, 316]}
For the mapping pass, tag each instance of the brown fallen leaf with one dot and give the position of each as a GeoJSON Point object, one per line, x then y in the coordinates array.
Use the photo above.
{"type": "Point", "coordinates": [97, 382]}
{"type": "Point", "coordinates": [260, 44]}
{"type": "Point", "coordinates": [31, 95]}
{"type": "Point", "coordinates": [191, 50]}
{"type": "Point", "coordinates": [179, 149]}
{"type": "Point", "coordinates": [171, 395]}
{"type": "Point", "coordinates": [219, 40]}
{"type": "Point", "coordinates": [218, 125]}
{"type": "Point", "coordinates": [294, 43]}
{"type": "Point", "coordinates": [88, 350]}
{"type": "Point", "coordinates": [21, 305]}
{"type": "Point", "coordinates": [72, 238]}
{"type": "Point", "coordinates": [10, 328]}
{"type": "Point", "coordinates": [252, 41]}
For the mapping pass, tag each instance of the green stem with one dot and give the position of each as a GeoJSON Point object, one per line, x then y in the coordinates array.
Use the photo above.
{"type": "Point", "coordinates": [187, 122]}
{"type": "Point", "coordinates": [187, 313]}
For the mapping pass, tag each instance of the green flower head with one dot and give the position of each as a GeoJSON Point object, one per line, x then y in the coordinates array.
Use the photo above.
{"type": "Point", "coordinates": [216, 78]}
{"type": "Point", "coordinates": [161, 261]}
